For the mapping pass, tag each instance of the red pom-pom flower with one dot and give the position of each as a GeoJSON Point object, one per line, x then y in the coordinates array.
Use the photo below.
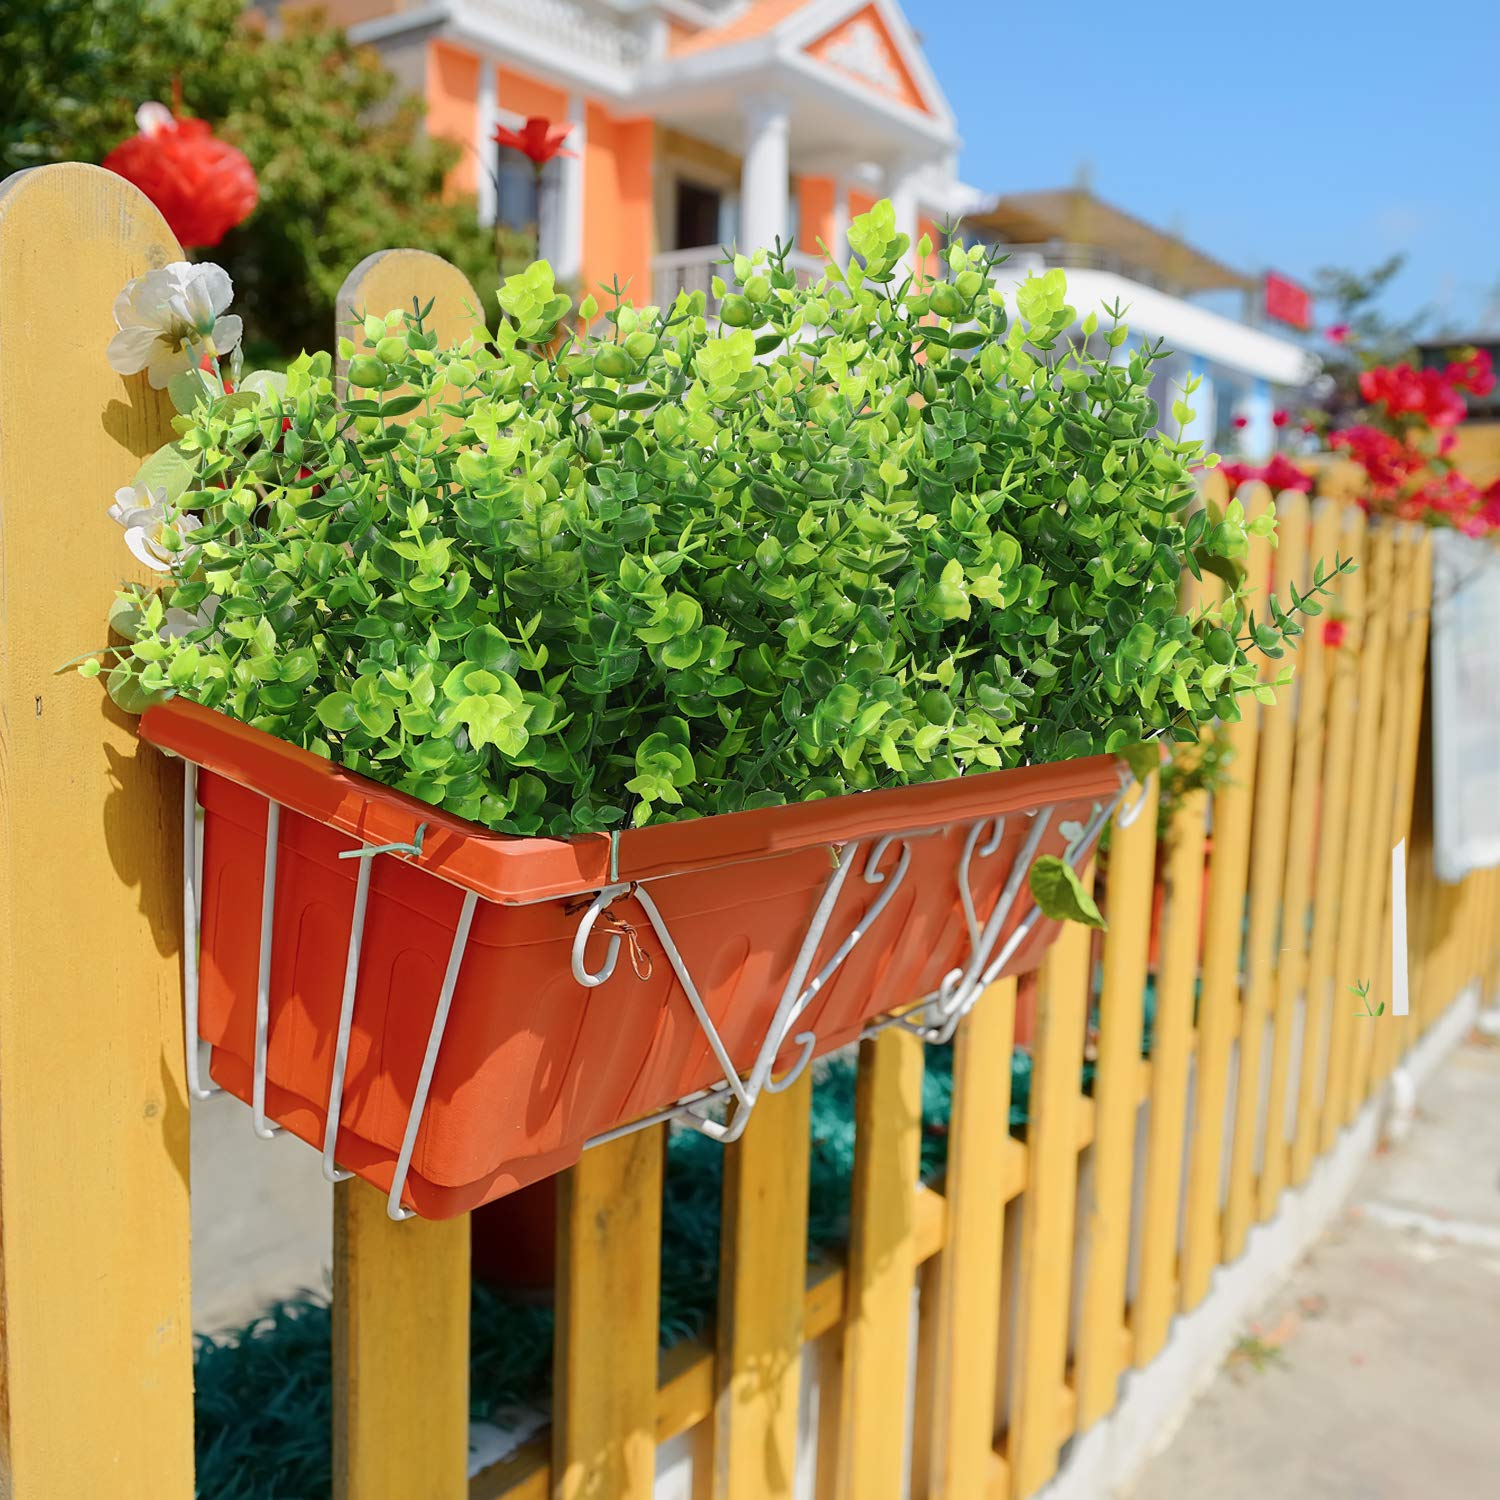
{"type": "Point", "coordinates": [203, 186]}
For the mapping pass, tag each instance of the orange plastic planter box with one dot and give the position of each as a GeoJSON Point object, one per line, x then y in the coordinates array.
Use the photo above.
{"type": "Point", "coordinates": [474, 1014]}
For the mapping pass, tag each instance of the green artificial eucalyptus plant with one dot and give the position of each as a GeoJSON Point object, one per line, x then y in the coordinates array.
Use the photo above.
{"type": "Point", "coordinates": [608, 570]}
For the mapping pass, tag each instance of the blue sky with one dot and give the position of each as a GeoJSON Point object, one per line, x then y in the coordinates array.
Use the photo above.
{"type": "Point", "coordinates": [1269, 133]}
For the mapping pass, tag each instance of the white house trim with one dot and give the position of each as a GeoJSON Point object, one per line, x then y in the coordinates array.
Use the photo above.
{"type": "Point", "coordinates": [806, 26]}
{"type": "Point", "coordinates": [1187, 328]}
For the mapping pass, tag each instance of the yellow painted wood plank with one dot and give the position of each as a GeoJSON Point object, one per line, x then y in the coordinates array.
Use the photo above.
{"type": "Point", "coordinates": [1291, 960]}
{"type": "Point", "coordinates": [967, 1332]}
{"type": "Point", "coordinates": [882, 1267]}
{"type": "Point", "coordinates": [1219, 1000]}
{"type": "Point", "coordinates": [1155, 1299]}
{"type": "Point", "coordinates": [96, 1393]}
{"type": "Point", "coordinates": [762, 1280]}
{"type": "Point", "coordinates": [1373, 953]}
{"type": "Point", "coordinates": [1351, 961]}
{"type": "Point", "coordinates": [1393, 1041]}
{"type": "Point", "coordinates": [1343, 702]}
{"type": "Point", "coordinates": [1105, 1230]}
{"type": "Point", "coordinates": [400, 1352]}
{"type": "Point", "coordinates": [604, 1348]}
{"type": "Point", "coordinates": [1268, 851]}
{"type": "Point", "coordinates": [401, 1329]}
{"type": "Point", "coordinates": [1041, 1340]}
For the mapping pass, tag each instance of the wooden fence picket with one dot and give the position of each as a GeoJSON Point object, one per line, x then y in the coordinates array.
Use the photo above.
{"type": "Point", "coordinates": [1171, 1047]}
{"type": "Point", "coordinates": [401, 1291]}
{"type": "Point", "coordinates": [762, 1281]}
{"type": "Point", "coordinates": [1354, 857]}
{"type": "Point", "coordinates": [96, 1342]}
{"type": "Point", "coordinates": [1393, 1040]}
{"type": "Point", "coordinates": [1105, 1230]}
{"type": "Point", "coordinates": [1373, 952]}
{"type": "Point", "coordinates": [1343, 673]}
{"type": "Point", "coordinates": [1219, 997]}
{"type": "Point", "coordinates": [1048, 1216]}
{"type": "Point", "coordinates": [1292, 953]}
{"type": "Point", "coordinates": [968, 1327]}
{"type": "Point", "coordinates": [882, 1267]}
{"type": "Point", "coordinates": [1267, 880]}
{"type": "Point", "coordinates": [604, 1348]}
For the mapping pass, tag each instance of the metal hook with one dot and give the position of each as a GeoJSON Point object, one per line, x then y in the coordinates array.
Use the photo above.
{"type": "Point", "coordinates": [585, 976]}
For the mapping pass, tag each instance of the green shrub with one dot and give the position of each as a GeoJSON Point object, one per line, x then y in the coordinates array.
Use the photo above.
{"type": "Point", "coordinates": [857, 534]}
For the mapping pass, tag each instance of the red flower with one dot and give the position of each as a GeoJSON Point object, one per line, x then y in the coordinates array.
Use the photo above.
{"type": "Point", "coordinates": [1476, 374]}
{"type": "Point", "coordinates": [1282, 474]}
{"type": "Point", "coordinates": [203, 186]}
{"type": "Point", "coordinates": [1337, 333]}
{"type": "Point", "coordinates": [538, 140]}
{"type": "Point", "coordinates": [1280, 418]}
{"type": "Point", "coordinates": [1334, 632]}
{"type": "Point", "coordinates": [1237, 474]}
{"type": "Point", "coordinates": [1240, 422]}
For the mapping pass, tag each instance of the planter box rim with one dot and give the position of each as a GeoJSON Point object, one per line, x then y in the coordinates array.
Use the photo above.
{"type": "Point", "coordinates": [520, 869]}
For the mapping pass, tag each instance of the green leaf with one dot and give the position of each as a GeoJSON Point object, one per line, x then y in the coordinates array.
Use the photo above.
{"type": "Point", "coordinates": [1060, 894]}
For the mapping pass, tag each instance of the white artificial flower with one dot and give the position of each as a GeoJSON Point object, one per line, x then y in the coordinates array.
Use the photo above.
{"type": "Point", "coordinates": [170, 319]}
{"type": "Point", "coordinates": [144, 513]}
{"type": "Point", "coordinates": [182, 622]}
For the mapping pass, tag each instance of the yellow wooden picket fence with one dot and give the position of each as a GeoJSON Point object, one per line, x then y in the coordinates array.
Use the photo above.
{"type": "Point", "coordinates": [1046, 1268]}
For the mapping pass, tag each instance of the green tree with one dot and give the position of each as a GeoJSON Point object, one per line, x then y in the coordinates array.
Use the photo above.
{"type": "Point", "coordinates": [344, 165]}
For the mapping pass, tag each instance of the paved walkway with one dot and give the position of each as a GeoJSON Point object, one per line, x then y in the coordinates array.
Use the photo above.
{"type": "Point", "coordinates": [1375, 1373]}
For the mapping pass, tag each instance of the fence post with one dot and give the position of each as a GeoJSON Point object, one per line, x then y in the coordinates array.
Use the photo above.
{"type": "Point", "coordinates": [401, 1291]}
{"type": "Point", "coordinates": [96, 1392]}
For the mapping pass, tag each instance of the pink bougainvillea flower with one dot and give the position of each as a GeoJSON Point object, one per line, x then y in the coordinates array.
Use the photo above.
{"type": "Point", "coordinates": [1475, 374]}
{"type": "Point", "coordinates": [538, 140]}
{"type": "Point", "coordinates": [1334, 632]}
{"type": "Point", "coordinates": [1237, 474]}
{"type": "Point", "coordinates": [1337, 333]}
{"type": "Point", "coordinates": [1282, 474]}
{"type": "Point", "coordinates": [203, 186]}
{"type": "Point", "coordinates": [1280, 418]}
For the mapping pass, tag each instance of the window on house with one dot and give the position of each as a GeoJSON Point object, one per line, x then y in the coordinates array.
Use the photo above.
{"type": "Point", "coordinates": [525, 205]}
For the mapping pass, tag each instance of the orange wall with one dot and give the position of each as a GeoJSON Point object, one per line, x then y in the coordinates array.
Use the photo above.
{"type": "Point", "coordinates": [618, 229]}
{"type": "Point", "coordinates": [453, 109]}
{"type": "Point", "coordinates": [815, 203]}
{"type": "Point", "coordinates": [520, 95]}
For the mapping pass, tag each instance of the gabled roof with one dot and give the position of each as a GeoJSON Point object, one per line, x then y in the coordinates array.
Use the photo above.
{"type": "Point", "coordinates": [867, 42]}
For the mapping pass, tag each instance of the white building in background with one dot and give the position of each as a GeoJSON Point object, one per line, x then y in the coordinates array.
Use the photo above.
{"type": "Point", "coordinates": [702, 123]}
{"type": "Point", "coordinates": [1110, 257]}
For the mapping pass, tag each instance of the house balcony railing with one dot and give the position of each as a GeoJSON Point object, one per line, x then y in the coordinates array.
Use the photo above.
{"type": "Point", "coordinates": [693, 270]}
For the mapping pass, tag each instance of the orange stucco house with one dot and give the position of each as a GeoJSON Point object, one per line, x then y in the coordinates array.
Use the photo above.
{"type": "Point", "coordinates": [697, 123]}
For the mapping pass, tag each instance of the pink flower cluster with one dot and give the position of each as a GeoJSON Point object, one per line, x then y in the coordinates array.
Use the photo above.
{"type": "Point", "coordinates": [1403, 446]}
{"type": "Point", "coordinates": [1429, 395]}
{"type": "Point", "coordinates": [1278, 475]}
